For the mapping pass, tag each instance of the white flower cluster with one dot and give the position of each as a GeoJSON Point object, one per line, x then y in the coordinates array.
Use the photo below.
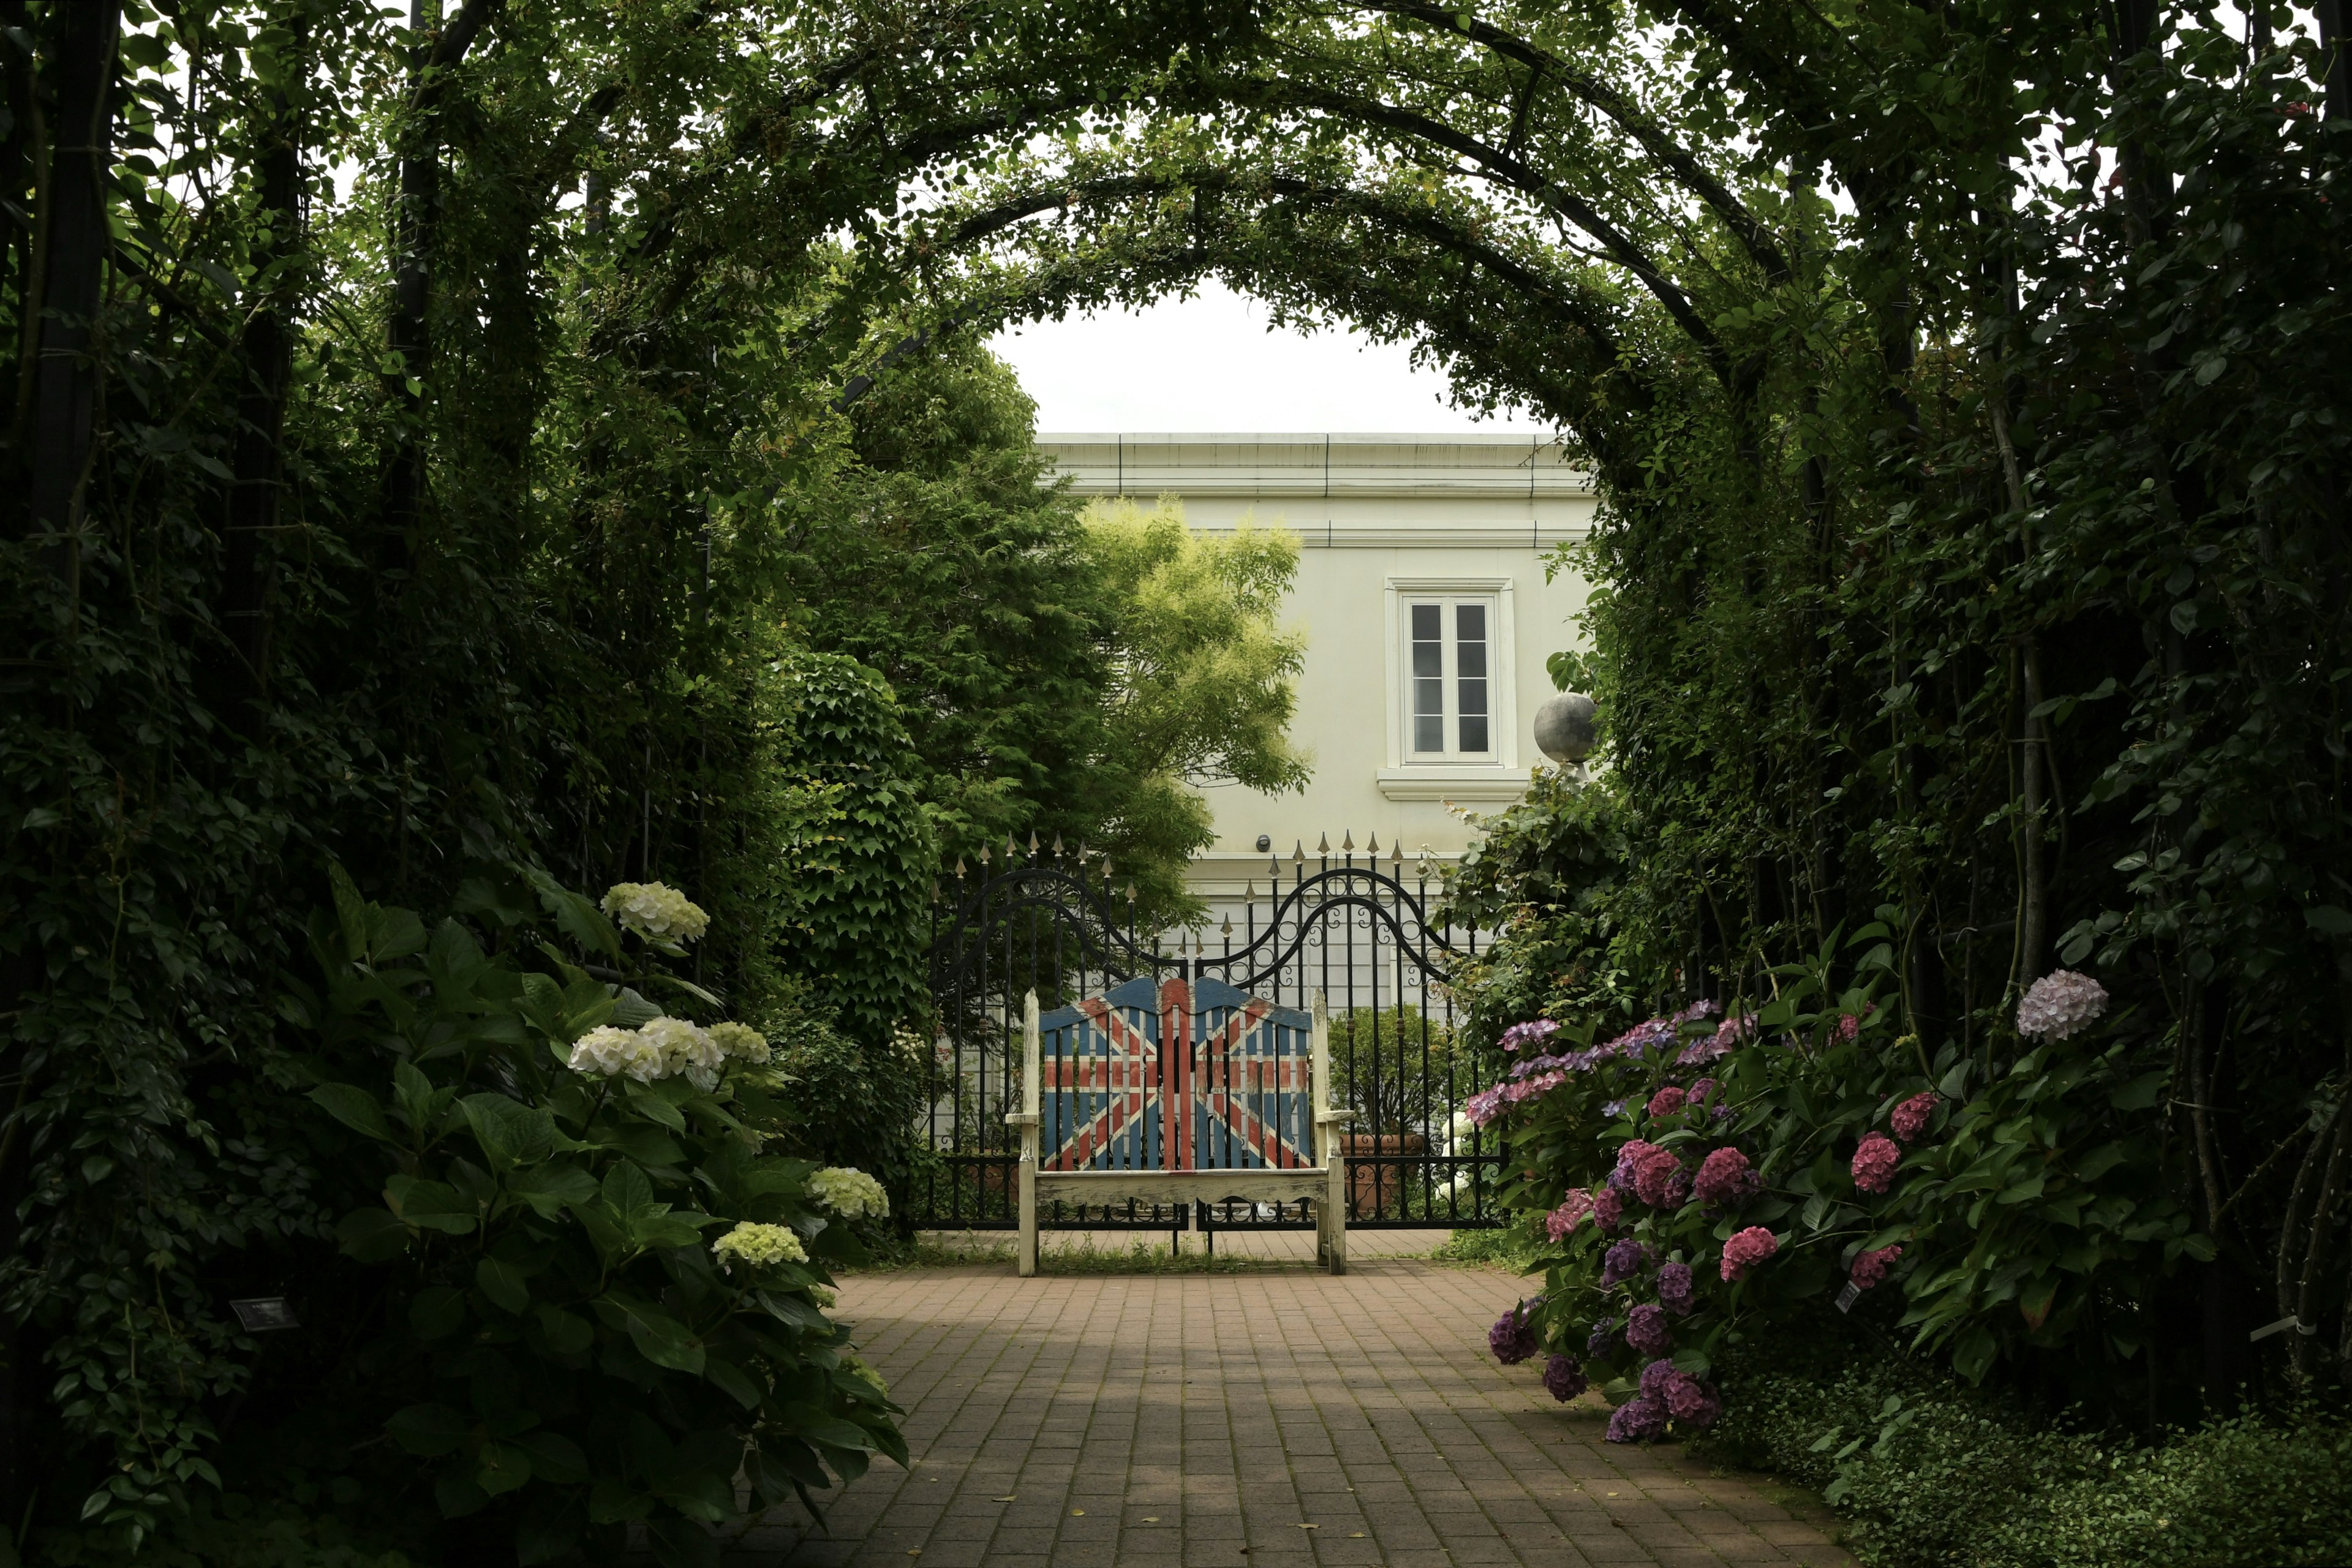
{"type": "Point", "coordinates": [849, 1192]}
{"type": "Point", "coordinates": [687, 1050]}
{"type": "Point", "coordinates": [759, 1244]}
{"type": "Point", "coordinates": [609, 1052]}
{"type": "Point", "coordinates": [655, 912]}
{"type": "Point", "coordinates": [2059, 1003]}
{"type": "Point", "coordinates": [740, 1041]}
{"type": "Point", "coordinates": [667, 1048]}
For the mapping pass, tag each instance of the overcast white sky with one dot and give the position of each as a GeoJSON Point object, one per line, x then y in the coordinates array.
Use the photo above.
{"type": "Point", "coordinates": [1209, 363]}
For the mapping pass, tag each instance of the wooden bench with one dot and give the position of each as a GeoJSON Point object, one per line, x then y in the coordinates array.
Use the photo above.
{"type": "Point", "coordinates": [1175, 1092]}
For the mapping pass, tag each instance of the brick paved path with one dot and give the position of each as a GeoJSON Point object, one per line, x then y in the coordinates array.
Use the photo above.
{"type": "Point", "coordinates": [1243, 1420]}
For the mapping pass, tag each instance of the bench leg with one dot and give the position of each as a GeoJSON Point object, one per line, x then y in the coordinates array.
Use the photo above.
{"type": "Point", "coordinates": [1026, 1262]}
{"type": "Point", "coordinates": [1335, 1210]}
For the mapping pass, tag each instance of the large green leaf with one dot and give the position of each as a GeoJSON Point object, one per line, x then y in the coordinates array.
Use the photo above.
{"type": "Point", "coordinates": [355, 1108]}
{"type": "Point", "coordinates": [658, 1337]}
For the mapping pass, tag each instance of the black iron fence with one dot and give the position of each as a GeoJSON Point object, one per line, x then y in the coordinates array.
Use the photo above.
{"type": "Point", "coordinates": [1348, 925]}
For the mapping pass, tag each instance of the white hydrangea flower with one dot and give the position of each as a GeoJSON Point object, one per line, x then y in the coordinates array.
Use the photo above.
{"type": "Point", "coordinates": [848, 1192]}
{"type": "Point", "coordinates": [656, 911]}
{"type": "Point", "coordinates": [759, 1244]}
{"type": "Point", "coordinates": [687, 1050]}
{"type": "Point", "coordinates": [2060, 1004]}
{"type": "Point", "coordinates": [740, 1041]}
{"type": "Point", "coordinates": [609, 1052]}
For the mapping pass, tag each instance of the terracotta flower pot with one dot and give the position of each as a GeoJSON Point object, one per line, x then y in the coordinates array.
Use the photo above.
{"type": "Point", "coordinates": [1375, 1186]}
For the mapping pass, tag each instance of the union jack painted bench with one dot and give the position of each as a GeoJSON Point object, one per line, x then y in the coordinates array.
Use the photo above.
{"type": "Point", "coordinates": [1179, 1091]}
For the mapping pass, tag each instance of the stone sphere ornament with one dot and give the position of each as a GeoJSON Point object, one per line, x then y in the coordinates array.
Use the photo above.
{"type": "Point", "coordinates": [1564, 727]}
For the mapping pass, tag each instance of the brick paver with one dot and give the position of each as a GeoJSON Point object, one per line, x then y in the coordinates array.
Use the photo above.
{"type": "Point", "coordinates": [1247, 1420]}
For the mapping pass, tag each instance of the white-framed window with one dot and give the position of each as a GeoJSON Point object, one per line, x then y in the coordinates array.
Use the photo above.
{"type": "Point", "coordinates": [1453, 707]}
{"type": "Point", "coordinates": [1450, 685]}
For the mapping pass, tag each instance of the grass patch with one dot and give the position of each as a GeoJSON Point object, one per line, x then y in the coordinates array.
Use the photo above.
{"type": "Point", "coordinates": [1505, 1248]}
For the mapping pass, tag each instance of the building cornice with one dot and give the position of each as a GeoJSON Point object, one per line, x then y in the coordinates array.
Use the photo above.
{"type": "Point", "coordinates": [1485, 468]}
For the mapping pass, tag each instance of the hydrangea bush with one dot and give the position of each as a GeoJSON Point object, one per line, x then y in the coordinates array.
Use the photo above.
{"type": "Point", "coordinates": [1708, 1174]}
{"type": "Point", "coordinates": [607, 1301]}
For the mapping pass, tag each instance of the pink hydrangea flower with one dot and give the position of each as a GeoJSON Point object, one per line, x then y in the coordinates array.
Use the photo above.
{"type": "Point", "coordinates": [1654, 1178]}
{"type": "Point", "coordinates": [1874, 1163]}
{"type": "Point", "coordinates": [1725, 1180]}
{"type": "Point", "coordinates": [1701, 1089]}
{"type": "Point", "coordinates": [1573, 1212]}
{"type": "Point", "coordinates": [1910, 1118]}
{"type": "Point", "coordinates": [1667, 1100]}
{"type": "Point", "coordinates": [1745, 1250]}
{"type": "Point", "coordinates": [2060, 1004]}
{"type": "Point", "coordinates": [1848, 1026]}
{"type": "Point", "coordinates": [1870, 1267]}
{"type": "Point", "coordinates": [1608, 1209]}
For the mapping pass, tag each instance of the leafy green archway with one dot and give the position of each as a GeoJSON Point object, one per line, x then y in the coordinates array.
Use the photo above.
{"type": "Point", "coordinates": [400, 414]}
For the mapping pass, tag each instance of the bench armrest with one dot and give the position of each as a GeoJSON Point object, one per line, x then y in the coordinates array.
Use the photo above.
{"type": "Point", "coordinates": [1328, 1115]}
{"type": "Point", "coordinates": [1020, 1118]}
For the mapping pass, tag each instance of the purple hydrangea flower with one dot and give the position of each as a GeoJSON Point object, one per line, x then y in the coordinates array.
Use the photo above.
{"type": "Point", "coordinates": [1512, 1337]}
{"type": "Point", "coordinates": [1622, 1261]}
{"type": "Point", "coordinates": [1603, 1342]}
{"type": "Point", "coordinates": [1646, 1330]}
{"type": "Point", "coordinates": [1691, 1402]}
{"type": "Point", "coordinates": [1675, 1289]}
{"type": "Point", "coordinates": [1638, 1421]}
{"type": "Point", "coordinates": [1614, 1108]}
{"type": "Point", "coordinates": [1654, 1379]}
{"type": "Point", "coordinates": [1563, 1378]}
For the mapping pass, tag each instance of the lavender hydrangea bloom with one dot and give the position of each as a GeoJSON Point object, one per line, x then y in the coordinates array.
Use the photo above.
{"type": "Point", "coordinates": [1603, 1341]}
{"type": "Point", "coordinates": [1654, 1379]}
{"type": "Point", "coordinates": [1613, 1108]}
{"type": "Point", "coordinates": [1646, 1330]}
{"type": "Point", "coordinates": [1622, 1262]}
{"type": "Point", "coordinates": [1512, 1337]}
{"type": "Point", "coordinates": [1638, 1421]}
{"type": "Point", "coordinates": [1563, 1378]}
{"type": "Point", "coordinates": [1675, 1289]}
{"type": "Point", "coordinates": [2059, 1003]}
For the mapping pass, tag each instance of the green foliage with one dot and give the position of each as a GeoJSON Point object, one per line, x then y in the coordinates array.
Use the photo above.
{"type": "Point", "coordinates": [938, 560]}
{"type": "Point", "coordinates": [560, 1348]}
{"type": "Point", "coordinates": [1931, 1474]}
{"type": "Point", "coordinates": [1540, 876]}
{"type": "Point", "coordinates": [1203, 688]}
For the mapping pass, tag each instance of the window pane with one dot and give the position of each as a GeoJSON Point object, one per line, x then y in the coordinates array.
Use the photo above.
{"type": "Point", "coordinates": [1428, 677]}
{"type": "Point", "coordinates": [1470, 667]}
{"type": "Point", "coordinates": [1470, 640]}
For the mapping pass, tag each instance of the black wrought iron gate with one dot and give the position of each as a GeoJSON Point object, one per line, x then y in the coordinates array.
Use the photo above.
{"type": "Point", "coordinates": [1348, 925]}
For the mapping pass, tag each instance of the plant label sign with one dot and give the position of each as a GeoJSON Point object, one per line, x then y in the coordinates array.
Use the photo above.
{"type": "Point", "coordinates": [1848, 1297]}
{"type": "Point", "coordinates": [261, 1314]}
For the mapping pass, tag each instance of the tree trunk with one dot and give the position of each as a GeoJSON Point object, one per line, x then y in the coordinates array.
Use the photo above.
{"type": "Point", "coordinates": [409, 335]}
{"type": "Point", "coordinates": [65, 382]}
{"type": "Point", "coordinates": [253, 506]}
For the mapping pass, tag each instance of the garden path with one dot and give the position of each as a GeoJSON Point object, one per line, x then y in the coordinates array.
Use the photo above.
{"type": "Point", "coordinates": [1272, 1416]}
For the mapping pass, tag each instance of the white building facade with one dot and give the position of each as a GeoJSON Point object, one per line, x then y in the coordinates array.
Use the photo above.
{"type": "Point", "coordinates": [1427, 611]}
